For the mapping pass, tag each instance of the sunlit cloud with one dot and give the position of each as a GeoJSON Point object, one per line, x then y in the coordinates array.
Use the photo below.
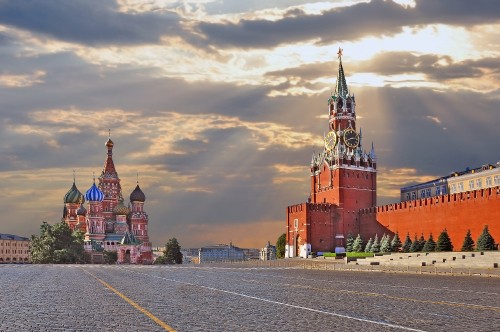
{"type": "Point", "coordinates": [433, 119]}
{"type": "Point", "coordinates": [21, 81]}
{"type": "Point", "coordinates": [390, 181]}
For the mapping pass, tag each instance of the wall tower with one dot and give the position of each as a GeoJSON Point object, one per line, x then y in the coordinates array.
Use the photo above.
{"type": "Point", "coordinates": [343, 181]}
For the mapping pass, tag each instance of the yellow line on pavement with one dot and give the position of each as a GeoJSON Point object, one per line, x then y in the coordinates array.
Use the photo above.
{"type": "Point", "coordinates": [132, 303]}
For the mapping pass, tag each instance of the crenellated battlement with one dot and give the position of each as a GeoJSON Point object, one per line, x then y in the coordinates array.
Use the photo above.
{"type": "Point", "coordinates": [321, 207]}
{"type": "Point", "coordinates": [457, 213]}
{"type": "Point", "coordinates": [478, 194]}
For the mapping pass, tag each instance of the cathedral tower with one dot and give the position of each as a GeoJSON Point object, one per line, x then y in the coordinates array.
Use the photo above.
{"type": "Point", "coordinates": [72, 202]}
{"type": "Point", "coordinates": [95, 220]}
{"type": "Point", "coordinates": [109, 184]}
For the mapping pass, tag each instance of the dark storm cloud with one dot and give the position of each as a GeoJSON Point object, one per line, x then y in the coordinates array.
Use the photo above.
{"type": "Point", "coordinates": [91, 22]}
{"type": "Point", "coordinates": [349, 23]}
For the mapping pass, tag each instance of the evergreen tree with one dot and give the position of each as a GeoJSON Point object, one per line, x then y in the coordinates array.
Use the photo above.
{"type": "Point", "coordinates": [408, 243]}
{"type": "Point", "coordinates": [280, 246]}
{"type": "Point", "coordinates": [376, 245]}
{"type": "Point", "coordinates": [172, 252]}
{"type": "Point", "coordinates": [415, 246]}
{"type": "Point", "coordinates": [396, 243]}
{"type": "Point", "coordinates": [444, 242]}
{"type": "Point", "coordinates": [357, 246]}
{"type": "Point", "coordinates": [57, 244]}
{"type": "Point", "coordinates": [430, 244]}
{"type": "Point", "coordinates": [421, 242]}
{"type": "Point", "coordinates": [369, 244]}
{"type": "Point", "coordinates": [349, 242]}
{"type": "Point", "coordinates": [110, 257]}
{"type": "Point", "coordinates": [385, 244]}
{"type": "Point", "coordinates": [468, 244]}
{"type": "Point", "coordinates": [485, 240]}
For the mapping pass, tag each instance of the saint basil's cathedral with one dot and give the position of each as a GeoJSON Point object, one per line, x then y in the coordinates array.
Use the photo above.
{"type": "Point", "coordinates": [107, 222]}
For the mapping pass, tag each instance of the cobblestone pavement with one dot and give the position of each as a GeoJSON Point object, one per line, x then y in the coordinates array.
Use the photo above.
{"type": "Point", "coordinates": [86, 298]}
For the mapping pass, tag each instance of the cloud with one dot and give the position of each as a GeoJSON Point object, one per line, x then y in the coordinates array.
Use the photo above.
{"type": "Point", "coordinates": [21, 81]}
{"type": "Point", "coordinates": [89, 22]}
{"type": "Point", "coordinates": [347, 23]}
{"type": "Point", "coordinates": [400, 68]}
{"type": "Point", "coordinates": [434, 119]}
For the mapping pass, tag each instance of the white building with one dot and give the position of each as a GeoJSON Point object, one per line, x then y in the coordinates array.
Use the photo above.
{"type": "Point", "coordinates": [220, 253]}
{"type": "Point", "coordinates": [268, 252]}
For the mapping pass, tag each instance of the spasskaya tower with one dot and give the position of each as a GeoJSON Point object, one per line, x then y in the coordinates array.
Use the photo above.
{"type": "Point", "coordinates": [343, 181]}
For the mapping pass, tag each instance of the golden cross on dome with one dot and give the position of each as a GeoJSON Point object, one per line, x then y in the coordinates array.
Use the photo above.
{"type": "Point", "coordinates": [339, 53]}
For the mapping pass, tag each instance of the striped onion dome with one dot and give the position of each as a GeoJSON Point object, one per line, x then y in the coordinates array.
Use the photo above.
{"type": "Point", "coordinates": [121, 209]}
{"type": "Point", "coordinates": [137, 195]}
{"type": "Point", "coordinates": [73, 195]}
{"type": "Point", "coordinates": [94, 194]}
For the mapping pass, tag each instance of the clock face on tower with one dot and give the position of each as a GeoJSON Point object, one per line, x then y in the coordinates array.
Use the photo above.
{"type": "Point", "coordinates": [330, 140]}
{"type": "Point", "coordinates": [351, 138]}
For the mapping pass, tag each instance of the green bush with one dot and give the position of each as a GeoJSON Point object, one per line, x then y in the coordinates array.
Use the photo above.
{"type": "Point", "coordinates": [359, 254]}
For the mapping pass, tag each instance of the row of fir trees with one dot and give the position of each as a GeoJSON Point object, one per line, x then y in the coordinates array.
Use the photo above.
{"type": "Point", "coordinates": [387, 244]}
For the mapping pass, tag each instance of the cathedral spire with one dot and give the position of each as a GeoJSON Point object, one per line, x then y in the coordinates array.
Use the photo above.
{"type": "Point", "coordinates": [341, 89]}
{"type": "Point", "coordinates": [109, 166]}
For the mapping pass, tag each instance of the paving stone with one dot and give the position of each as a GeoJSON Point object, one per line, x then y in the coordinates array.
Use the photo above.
{"type": "Point", "coordinates": [229, 298]}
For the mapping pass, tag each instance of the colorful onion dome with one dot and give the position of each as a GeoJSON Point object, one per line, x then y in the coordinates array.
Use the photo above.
{"type": "Point", "coordinates": [137, 195]}
{"type": "Point", "coordinates": [121, 209]}
{"type": "Point", "coordinates": [82, 211]}
{"type": "Point", "coordinates": [73, 195]}
{"type": "Point", "coordinates": [94, 194]}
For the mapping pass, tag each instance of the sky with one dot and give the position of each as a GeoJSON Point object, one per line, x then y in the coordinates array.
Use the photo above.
{"type": "Point", "coordinates": [219, 105]}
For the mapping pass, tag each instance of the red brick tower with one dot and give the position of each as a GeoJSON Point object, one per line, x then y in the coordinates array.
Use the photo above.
{"type": "Point", "coordinates": [109, 184]}
{"type": "Point", "coordinates": [343, 180]}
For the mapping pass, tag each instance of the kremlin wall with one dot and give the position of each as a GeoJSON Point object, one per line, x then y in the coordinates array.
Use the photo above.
{"type": "Point", "coordinates": [454, 212]}
{"type": "Point", "coordinates": [342, 199]}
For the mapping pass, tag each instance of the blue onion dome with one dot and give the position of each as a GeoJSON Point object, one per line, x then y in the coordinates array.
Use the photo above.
{"type": "Point", "coordinates": [73, 195]}
{"type": "Point", "coordinates": [82, 211]}
{"type": "Point", "coordinates": [137, 195]}
{"type": "Point", "coordinates": [94, 194]}
{"type": "Point", "coordinates": [121, 209]}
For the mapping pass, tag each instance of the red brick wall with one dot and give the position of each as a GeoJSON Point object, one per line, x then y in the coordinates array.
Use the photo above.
{"type": "Point", "coordinates": [322, 226]}
{"type": "Point", "coordinates": [457, 213]}
{"type": "Point", "coordinates": [316, 225]}
{"type": "Point", "coordinates": [297, 211]}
